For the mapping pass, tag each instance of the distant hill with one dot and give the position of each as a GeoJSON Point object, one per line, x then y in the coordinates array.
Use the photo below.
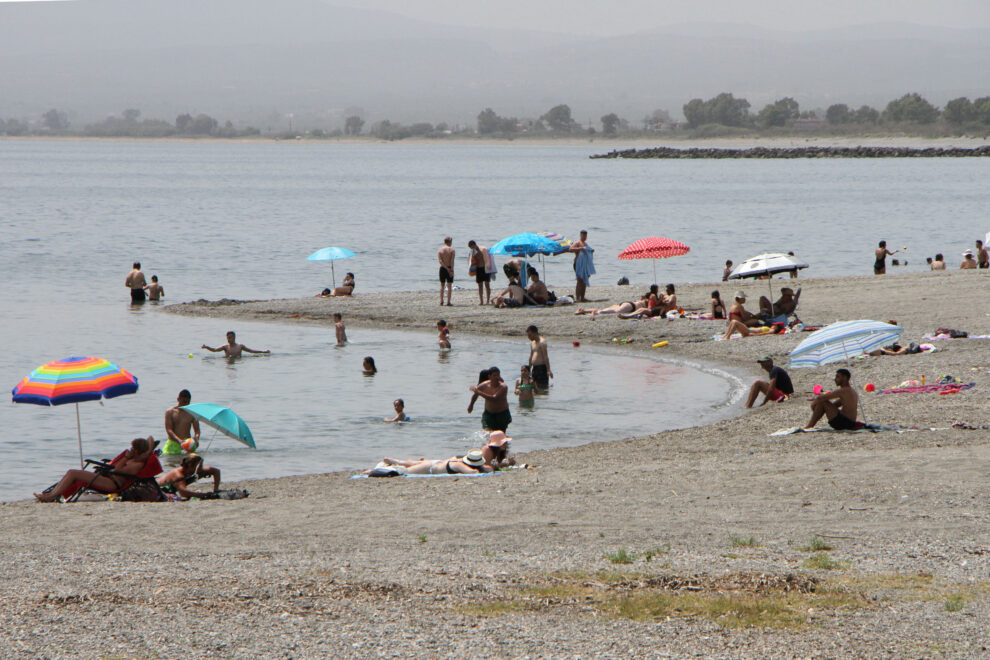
{"type": "Point", "coordinates": [255, 61]}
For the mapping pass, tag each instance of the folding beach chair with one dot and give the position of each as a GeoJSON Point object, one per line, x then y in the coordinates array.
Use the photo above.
{"type": "Point", "coordinates": [140, 487]}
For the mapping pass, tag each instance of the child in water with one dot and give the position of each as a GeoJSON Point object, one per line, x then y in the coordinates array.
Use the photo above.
{"type": "Point", "coordinates": [443, 334]}
{"type": "Point", "coordinates": [155, 290]}
{"type": "Point", "coordinates": [400, 413]}
{"type": "Point", "coordinates": [338, 324]}
{"type": "Point", "coordinates": [524, 387]}
{"type": "Point", "coordinates": [368, 366]}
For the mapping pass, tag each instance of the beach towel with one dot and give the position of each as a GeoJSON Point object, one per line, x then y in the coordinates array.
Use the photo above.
{"type": "Point", "coordinates": [404, 474]}
{"type": "Point", "coordinates": [490, 263]}
{"type": "Point", "coordinates": [865, 428]}
{"type": "Point", "coordinates": [941, 388]}
{"type": "Point", "coordinates": [584, 265]}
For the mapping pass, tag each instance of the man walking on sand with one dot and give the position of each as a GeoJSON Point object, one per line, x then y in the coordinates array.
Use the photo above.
{"type": "Point", "coordinates": [135, 282]}
{"type": "Point", "coordinates": [584, 265]}
{"type": "Point", "coordinates": [445, 255]}
{"type": "Point", "coordinates": [539, 359]}
{"type": "Point", "coordinates": [839, 406]}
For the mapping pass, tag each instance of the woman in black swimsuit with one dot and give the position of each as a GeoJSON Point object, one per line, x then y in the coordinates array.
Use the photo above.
{"type": "Point", "coordinates": [880, 258]}
{"type": "Point", "coordinates": [718, 307]}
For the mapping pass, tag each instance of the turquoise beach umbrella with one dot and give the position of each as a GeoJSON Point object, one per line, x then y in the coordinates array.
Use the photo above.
{"type": "Point", "coordinates": [331, 254]}
{"type": "Point", "coordinates": [224, 420]}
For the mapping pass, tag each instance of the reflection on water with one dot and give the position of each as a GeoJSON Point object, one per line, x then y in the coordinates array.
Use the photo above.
{"type": "Point", "coordinates": [309, 404]}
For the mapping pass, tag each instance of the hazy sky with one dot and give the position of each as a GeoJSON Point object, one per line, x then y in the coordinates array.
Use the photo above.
{"type": "Point", "coordinates": [623, 16]}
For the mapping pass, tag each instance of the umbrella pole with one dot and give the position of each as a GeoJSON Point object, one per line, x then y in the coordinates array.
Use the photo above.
{"type": "Point", "coordinates": [79, 435]}
{"type": "Point", "coordinates": [862, 408]}
{"type": "Point", "coordinates": [770, 287]}
{"type": "Point", "coordinates": [333, 276]}
{"type": "Point", "coordinates": [654, 271]}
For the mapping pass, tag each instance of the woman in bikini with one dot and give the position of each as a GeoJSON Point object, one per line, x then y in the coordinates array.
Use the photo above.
{"type": "Point", "coordinates": [471, 463]}
{"type": "Point", "coordinates": [739, 318]}
{"type": "Point", "coordinates": [718, 307]}
{"type": "Point", "coordinates": [129, 464]}
{"type": "Point", "coordinates": [524, 387]}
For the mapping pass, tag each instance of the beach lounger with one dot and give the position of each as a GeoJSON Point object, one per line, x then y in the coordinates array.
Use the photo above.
{"type": "Point", "coordinates": [140, 487]}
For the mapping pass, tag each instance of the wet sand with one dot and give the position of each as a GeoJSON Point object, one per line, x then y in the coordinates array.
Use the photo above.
{"type": "Point", "coordinates": [515, 564]}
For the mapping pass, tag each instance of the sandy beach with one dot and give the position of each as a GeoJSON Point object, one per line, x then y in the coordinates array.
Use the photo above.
{"type": "Point", "coordinates": [712, 541]}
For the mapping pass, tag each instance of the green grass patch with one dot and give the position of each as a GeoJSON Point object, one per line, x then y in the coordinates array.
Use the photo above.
{"type": "Point", "coordinates": [656, 552]}
{"type": "Point", "coordinates": [743, 542]}
{"type": "Point", "coordinates": [496, 608]}
{"type": "Point", "coordinates": [817, 544]}
{"type": "Point", "coordinates": [822, 562]}
{"type": "Point", "coordinates": [621, 556]}
{"type": "Point", "coordinates": [955, 602]}
{"type": "Point", "coordinates": [421, 539]}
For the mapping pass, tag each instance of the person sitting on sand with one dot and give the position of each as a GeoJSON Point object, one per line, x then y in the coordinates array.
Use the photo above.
{"type": "Point", "coordinates": [784, 306]}
{"type": "Point", "coordinates": [496, 450]}
{"type": "Point", "coordinates": [232, 349]}
{"type": "Point", "coordinates": [777, 389]}
{"type": "Point", "coordinates": [472, 462]}
{"type": "Point", "coordinates": [739, 319]}
{"type": "Point", "coordinates": [969, 261]}
{"type": "Point", "coordinates": [181, 477]}
{"type": "Point", "coordinates": [130, 463]}
{"type": "Point", "coordinates": [839, 407]}
{"type": "Point", "coordinates": [346, 288]}
{"type": "Point", "coordinates": [718, 307]}
{"type": "Point", "coordinates": [939, 263]}
{"type": "Point", "coordinates": [400, 412]}
{"type": "Point", "coordinates": [513, 296]}
{"type": "Point", "coordinates": [537, 290]}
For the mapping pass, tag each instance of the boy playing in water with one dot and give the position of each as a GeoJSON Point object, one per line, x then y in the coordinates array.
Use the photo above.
{"type": "Point", "coordinates": [232, 349]}
{"type": "Point", "coordinates": [400, 413]}
{"type": "Point", "coordinates": [524, 387]}
{"type": "Point", "coordinates": [338, 324]}
{"type": "Point", "coordinates": [443, 334]}
{"type": "Point", "coordinates": [155, 290]}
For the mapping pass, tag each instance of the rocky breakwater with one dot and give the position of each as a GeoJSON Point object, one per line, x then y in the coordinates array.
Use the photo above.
{"type": "Point", "coordinates": [800, 152]}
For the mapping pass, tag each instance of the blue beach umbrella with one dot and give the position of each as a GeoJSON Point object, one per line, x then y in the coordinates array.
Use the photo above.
{"type": "Point", "coordinates": [224, 420]}
{"type": "Point", "coordinates": [843, 340]}
{"type": "Point", "coordinates": [526, 245]}
{"type": "Point", "coordinates": [331, 254]}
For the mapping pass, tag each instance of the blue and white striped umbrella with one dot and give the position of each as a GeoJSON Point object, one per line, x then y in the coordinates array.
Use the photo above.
{"type": "Point", "coordinates": [843, 340]}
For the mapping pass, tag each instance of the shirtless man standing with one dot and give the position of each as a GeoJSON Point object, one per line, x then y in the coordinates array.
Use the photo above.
{"type": "Point", "coordinates": [539, 359]}
{"type": "Point", "coordinates": [495, 393]}
{"type": "Point", "coordinates": [135, 282]}
{"type": "Point", "coordinates": [179, 425]}
{"type": "Point", "coordinates": [479, 265]}
{"type": "Point", "coordinates": [982, 256]}
{"type": "Point", "coordinates": [839, 406]}
{"type": "Point", "coordinates": [445, 255]}
{"type": "Point", "coordinates": [232, 348]}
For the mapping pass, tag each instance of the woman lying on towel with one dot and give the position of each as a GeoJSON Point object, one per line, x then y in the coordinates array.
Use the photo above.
{"type": "Point", "coordinates": [471, 463]}
{"type": "Point", "coordinates": [130, 462]}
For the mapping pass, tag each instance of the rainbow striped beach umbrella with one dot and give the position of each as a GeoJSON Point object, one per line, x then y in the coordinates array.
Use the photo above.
{"type": "Point", "coordinates": [72, 380]}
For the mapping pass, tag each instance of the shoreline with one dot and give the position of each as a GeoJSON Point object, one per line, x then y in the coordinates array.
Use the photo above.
{"type": "Point", "coordinates": [528, 562]}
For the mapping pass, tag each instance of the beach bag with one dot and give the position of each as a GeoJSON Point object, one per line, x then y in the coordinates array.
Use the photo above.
{"type": "Point", "coordinates": [551, 297]}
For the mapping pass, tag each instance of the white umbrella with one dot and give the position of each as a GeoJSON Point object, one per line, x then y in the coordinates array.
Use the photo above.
{"type": "Point", "coordinates": [843, 340]}
{"type": "Point", "coordinates": [767, 265]}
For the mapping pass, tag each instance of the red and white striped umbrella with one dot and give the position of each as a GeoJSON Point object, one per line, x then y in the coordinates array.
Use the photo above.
{"type": "Point", "coordinates": [655, 247]}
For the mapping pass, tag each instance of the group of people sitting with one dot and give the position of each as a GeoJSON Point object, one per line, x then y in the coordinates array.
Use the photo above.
{"type": "Point", "coordinates": [517, 293]}
{"type": "Point", "coordinates": [741, 320]}
{"type": "Point", "coordinates": [135, 467]}
{"type": "Point", "coordinates": [494, 455]}
{"type": "Point", "coordinates": [650, 304]}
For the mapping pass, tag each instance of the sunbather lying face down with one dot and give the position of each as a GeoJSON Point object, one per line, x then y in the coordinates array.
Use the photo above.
{"type": "Point", "coordinates": [131, 463]}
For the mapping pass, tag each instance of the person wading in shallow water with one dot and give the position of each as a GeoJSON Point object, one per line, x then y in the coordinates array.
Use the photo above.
{"type": "Point", "coordinates": [495, 393]}
{"type": "Point", "coordinates": [136, 283]}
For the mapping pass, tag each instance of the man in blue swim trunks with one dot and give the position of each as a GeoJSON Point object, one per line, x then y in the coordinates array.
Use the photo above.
{"type": "Point", "coordinates": [839, 406]}
{"type": "Point", "coordinates": [495, 393]}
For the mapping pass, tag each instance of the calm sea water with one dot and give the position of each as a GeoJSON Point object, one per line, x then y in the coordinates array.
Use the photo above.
{"type": "Point", "coordinates": [220, 220]}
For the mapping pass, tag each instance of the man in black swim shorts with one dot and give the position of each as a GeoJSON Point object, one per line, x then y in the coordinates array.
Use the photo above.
{"type": "Point", "coordinates": [495, 393]}
{"type": "Point", "coordinates": [445, 255]}
{"type": "Point", "coordinates": [839, 406]}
